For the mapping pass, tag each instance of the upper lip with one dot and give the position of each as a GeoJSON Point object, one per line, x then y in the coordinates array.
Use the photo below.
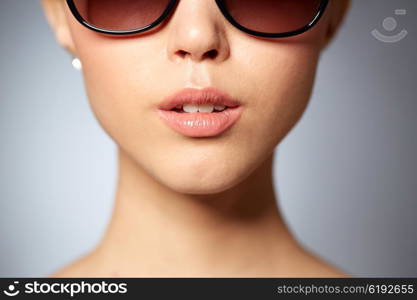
{"type": "Point", "coordinates": [208, 95]}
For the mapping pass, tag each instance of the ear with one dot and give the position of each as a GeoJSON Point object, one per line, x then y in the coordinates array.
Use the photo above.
{"type": "Point", "coordinates": [338, 14]}
{"type": "Point", "coordinates": [55, 14]}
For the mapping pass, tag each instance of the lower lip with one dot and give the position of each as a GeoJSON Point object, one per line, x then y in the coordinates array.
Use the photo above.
{"type": "Point", "coordinates": [201, 124]}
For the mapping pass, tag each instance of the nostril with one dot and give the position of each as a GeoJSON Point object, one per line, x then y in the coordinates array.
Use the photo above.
{"type": "Point", "coordinates": [211, 54]}
{"type": "Point", "coordinates": [208, 54]}
{"type": "Point", "coordinates": [182, 53]}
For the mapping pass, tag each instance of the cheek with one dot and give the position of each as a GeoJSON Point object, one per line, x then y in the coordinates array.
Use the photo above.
{"type": "Point", "coordinates": [276, 80]}
{"type": "Point", "coordinates": [120, 80]}
{"type": "Point", "coordinates": [285, 88]}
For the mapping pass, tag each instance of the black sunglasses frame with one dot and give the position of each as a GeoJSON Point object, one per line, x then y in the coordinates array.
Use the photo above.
{"type": "Point", "coordinates": [220, 3]}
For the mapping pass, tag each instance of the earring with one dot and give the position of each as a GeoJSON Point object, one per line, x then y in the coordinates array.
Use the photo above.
{"type": "Point", "coordinates": [76, 63]}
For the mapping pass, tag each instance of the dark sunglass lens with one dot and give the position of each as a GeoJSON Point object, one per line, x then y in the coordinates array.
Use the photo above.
{"type": "Point", "coordinates": [120, 15]}
{"type": "Point", "coordinates": [273, 16]}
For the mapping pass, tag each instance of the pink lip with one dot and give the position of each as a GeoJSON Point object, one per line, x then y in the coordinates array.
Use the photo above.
{"type": "Point", "coordinates": [200, 124]}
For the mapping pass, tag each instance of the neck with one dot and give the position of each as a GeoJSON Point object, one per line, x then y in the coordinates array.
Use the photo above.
{"type": "Point", "coordinates": [156, 231]}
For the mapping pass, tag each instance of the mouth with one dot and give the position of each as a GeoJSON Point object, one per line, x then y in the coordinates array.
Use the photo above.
{"type": "Point", "coordinates": [200, 113]}
{"type": "Point", "coordinates": [203, 108]}
{"type": "Point", "coordinates": [208, 99]}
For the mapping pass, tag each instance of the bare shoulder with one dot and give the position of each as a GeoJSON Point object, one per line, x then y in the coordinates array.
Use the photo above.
{"type": "Point", "coordinates": [326, 270]}
{"type": "Point", "coordinates": [304, 262]}
{"type": "Point", "coordinates": [315, 266]}
{"type": "Point", "coordinates": [81, 267]}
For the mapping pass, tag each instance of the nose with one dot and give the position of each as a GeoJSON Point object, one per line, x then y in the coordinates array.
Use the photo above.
{"type": "Point", "coordinates": [196, 32]}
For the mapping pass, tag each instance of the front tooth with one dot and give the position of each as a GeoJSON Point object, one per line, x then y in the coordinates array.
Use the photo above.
{"type": "Point", "coordinates": [206, 108]}
{"type": "Point", "coordinates": [219, 107]}
{"type": "Point", "coordinates": [189, 108]}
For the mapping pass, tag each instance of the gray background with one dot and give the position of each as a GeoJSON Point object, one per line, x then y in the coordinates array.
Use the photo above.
{"type": "Point", "coordinates": [346, 173]}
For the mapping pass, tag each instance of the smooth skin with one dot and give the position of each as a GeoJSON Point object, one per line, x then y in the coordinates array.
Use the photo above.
{"type": "Point", "coordinates": [196, 207]}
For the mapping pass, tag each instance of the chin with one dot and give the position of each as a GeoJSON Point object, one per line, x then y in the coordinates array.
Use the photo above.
{"type": "Point", "coordinates": [205, 179]}
{"type": "Point", "coordinates": [197, 188]}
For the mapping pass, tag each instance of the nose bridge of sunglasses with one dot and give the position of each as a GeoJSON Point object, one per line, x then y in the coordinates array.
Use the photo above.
{"type": "Point", "coordinates": [194, 10]}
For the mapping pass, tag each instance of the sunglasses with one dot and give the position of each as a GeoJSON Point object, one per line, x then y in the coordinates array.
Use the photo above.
{"type": "Point", "coordinates": [264, 18]}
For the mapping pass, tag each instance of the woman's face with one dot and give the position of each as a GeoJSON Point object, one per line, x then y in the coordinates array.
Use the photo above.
{"type": "Point", "coordinates": [126, 78]}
